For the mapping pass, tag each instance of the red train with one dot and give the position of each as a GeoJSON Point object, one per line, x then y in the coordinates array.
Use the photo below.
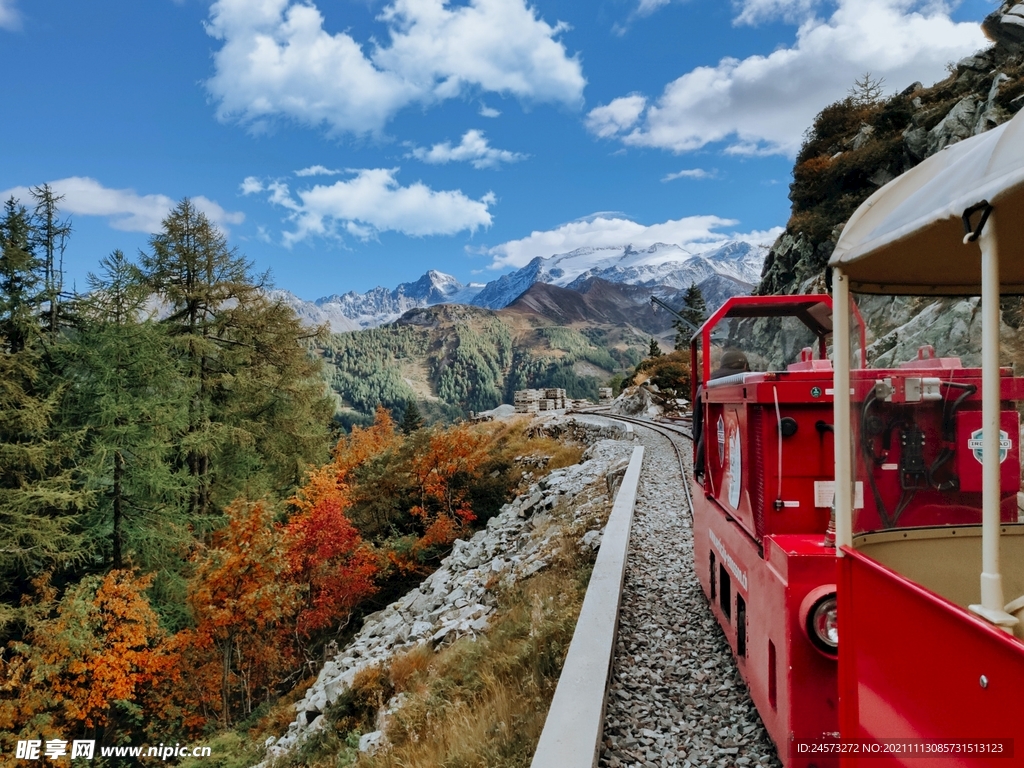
{"type": "Point", "coordinates": [862, 551]}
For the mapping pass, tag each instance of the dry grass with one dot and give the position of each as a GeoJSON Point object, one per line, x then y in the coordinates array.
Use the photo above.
{"type": "Point", "coordinates": [482, 704]}
{"type": "Point", "coordinates": [508, 438]}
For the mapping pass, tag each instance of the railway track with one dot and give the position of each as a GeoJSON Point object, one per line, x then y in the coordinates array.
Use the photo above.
{"type": "Point", "coordinates": [675, 696]}
{"type": "Point", "coordinates": [670, 431]}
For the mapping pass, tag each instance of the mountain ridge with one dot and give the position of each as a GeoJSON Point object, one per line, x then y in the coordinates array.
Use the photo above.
{"type": "Point", "coordinates": [725, 270]}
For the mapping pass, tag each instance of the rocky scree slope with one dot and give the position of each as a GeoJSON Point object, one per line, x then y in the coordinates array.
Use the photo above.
{"type": "Point", "coordinates": [457, 599]}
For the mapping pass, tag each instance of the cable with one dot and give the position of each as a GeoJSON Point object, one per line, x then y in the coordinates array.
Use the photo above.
{"type": "Point", "coordinates": [778, 424]}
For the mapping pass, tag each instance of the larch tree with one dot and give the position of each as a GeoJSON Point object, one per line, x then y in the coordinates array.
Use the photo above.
{"type": "Point", "coordinates": [131, 403]}
{"type": "Point", "coordinates": [258, 409]}
{"type": "Point", "coordinates": [39, 498]}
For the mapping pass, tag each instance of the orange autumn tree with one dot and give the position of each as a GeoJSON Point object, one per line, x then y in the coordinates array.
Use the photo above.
{"type": "Point", "coordinates": [333, 479]}
{"type": "Point", "coordinates": [441, 473]}
{"type": "Point", "coordinates": [240, 600]}
{"type": "Point", "coordinates": [83, 667]}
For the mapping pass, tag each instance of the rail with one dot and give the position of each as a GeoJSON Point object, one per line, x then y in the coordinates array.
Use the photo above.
{"type": "Point", "coordinates": [666, 430]}
{"type": "Point", "coordinates": [572, 731]}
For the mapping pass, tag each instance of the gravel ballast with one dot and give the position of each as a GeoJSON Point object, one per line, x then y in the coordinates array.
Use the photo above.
{"type": "Point", "coordinates": [676, 698]}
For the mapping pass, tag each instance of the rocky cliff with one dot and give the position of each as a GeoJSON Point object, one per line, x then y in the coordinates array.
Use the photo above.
{"type": "Point", "coordinates": [858, 144]}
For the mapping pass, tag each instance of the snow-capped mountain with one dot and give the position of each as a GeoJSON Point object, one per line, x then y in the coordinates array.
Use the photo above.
{"type": "Point", "coordinates": [659, 265]}
{"type": "Point", "coordinates": [725, 270]}
{"type": "Point", "coordinates": [352, 311]}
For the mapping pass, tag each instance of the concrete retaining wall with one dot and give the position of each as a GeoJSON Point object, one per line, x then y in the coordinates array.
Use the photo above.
{"type": "Point", "coordinates": [575, 722]}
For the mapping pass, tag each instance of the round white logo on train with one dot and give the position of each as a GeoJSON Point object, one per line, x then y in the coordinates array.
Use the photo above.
{"type": "Point", "coordinates": [976, 444]}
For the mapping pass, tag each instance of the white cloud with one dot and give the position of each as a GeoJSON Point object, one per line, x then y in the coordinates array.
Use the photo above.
{"type": "Point", "coordinates": [10, 18]}
{"type": "Point", "coordinates": [373, 201]}
{"type": "Point", "coordinates": [757, 11]}
{"type": "Point", "coordinates": [486, 111]}
{"type": "Point", "coordinates": [472, 149]}
{"type": "Point", "coordinates": [277, 60]}
{"type": "Point", "coordinates": [617, 116]}
{"type": "Point", "coordinates": [763, 104]}
{"type": "Point", "coordinates": [126, 210]}
{"type": "Point", "coordinates": [317, 170]}
{"type": "Point", "coordinates": [647, 7]}
{"type": "Point", "coordinates": [694, 233]}
{"type": "Point", "coordinates": [691, 173]}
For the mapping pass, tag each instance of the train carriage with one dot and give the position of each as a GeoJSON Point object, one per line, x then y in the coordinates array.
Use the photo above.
{"type": "Point", "coordinates": [903, 628]}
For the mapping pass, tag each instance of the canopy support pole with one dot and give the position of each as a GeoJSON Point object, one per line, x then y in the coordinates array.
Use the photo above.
{"type": "Point", "coordinates": [843, 500]}
{"type": "Point", "coordinates": [992, 601]}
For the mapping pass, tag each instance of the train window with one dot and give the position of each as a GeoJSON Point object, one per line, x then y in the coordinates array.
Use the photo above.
{"type": "Point", "coordinates": [772, 683]}
{"type": "Point", "coordinates": [724, 591]}
{"type": "Point", "coordinates": [741, 626]}
{"type": "Point", "coordinates": [713, 594]}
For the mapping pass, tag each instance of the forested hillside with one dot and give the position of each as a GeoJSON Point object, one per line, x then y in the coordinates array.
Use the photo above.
{"type": "Point", "coordinates": [179, 541]}
{"type": "Point", "coordinates": [452, 359]}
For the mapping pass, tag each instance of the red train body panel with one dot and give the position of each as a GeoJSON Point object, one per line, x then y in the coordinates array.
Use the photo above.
{"type": "Point", "coordinates": [764, 466]}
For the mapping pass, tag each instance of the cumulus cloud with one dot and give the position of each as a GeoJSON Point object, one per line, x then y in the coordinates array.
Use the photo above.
{"type": "Point", "coordinates": [371, 202]}
{"type": "Point", "coordinates": [694, 233]}
{"type": "Point", "coordinates": [125, 209]}
{"type": "Point", "coordinates": [691, 173]}
{"type": "Point", "coordinates": [486, 111]}
{"type": "Point", "coordinates": [10, 19]}
{"type": "Point", "coordinates": [617, 116]}
{"type": "Point", "coordinates": [763, 104]}
{"type": "Point", "coordinates": [277, 60]}
{"type": "Point", "coordinates": [472, 149]}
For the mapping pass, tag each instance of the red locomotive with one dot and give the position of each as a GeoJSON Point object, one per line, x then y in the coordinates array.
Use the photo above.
{"type": "Point", "coordinates": [897, 640]}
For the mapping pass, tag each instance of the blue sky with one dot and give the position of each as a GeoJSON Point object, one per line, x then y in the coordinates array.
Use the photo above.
{"type": "Point", "coordinates": [345, 144]}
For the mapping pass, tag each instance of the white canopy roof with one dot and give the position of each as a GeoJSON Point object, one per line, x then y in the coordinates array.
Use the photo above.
{"type": "Point", "coordinates": [908, 237]}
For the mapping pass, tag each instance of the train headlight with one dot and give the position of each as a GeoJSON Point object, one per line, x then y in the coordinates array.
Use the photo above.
{"type": "Point", "coordinates": [820, 621]}
{"type": "Point", "coordinates": [823, 623]}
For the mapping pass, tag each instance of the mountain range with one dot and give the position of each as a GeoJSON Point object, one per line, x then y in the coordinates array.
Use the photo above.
{"type": "Point", "coordinates": [726, 270]}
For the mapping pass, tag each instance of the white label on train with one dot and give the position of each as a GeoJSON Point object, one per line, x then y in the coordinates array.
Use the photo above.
{"type": "Point", "coordinates": [739, 573]}
{"type": "Point", "coordinates": [825, 491]}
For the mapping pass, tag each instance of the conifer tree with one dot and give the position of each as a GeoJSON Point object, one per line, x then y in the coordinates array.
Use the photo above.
{"type": "Point", "coordinates": [412, 420]}
{"type": "Point", "coordinates": [654, 350]}
{"type": "Point", "coordinates": [696, 311]}
{"type": "Point", "coordinates": [131, 402]}
{"type": "Point", "coordinates": [20, 291]}
{"type": "Point", "coordinates": [38, 495]}
{"type": "Point", "coordinates": [51, 236]}
{"type": "Point", "coordinates": [258, 411]}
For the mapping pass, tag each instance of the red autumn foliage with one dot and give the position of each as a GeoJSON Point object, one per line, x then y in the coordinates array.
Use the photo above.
{"type": "Point", "coordinates": [327, 556]}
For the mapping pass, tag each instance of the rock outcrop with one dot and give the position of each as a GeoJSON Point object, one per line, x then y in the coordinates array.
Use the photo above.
{"type": "Point", "coordinates": [857, 146]}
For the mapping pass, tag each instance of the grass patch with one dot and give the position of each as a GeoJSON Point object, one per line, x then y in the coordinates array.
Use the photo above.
{"type": "Point", "coordinates": [483, 703]}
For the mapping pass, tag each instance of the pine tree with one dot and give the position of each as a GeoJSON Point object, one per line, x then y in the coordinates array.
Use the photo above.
{"type": "Point", "coordinates": [412, 420]}
{"type": "Point", "coordinates": [38, 494]}
{"type": "Point", "coordinates": [695, 311]}
{"type": "Point", "coordinates": [20, 293]}
{"type": "Point", "coordinates": [51, 236]}
{"type": "Point", "coordinates": [654, 350]}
